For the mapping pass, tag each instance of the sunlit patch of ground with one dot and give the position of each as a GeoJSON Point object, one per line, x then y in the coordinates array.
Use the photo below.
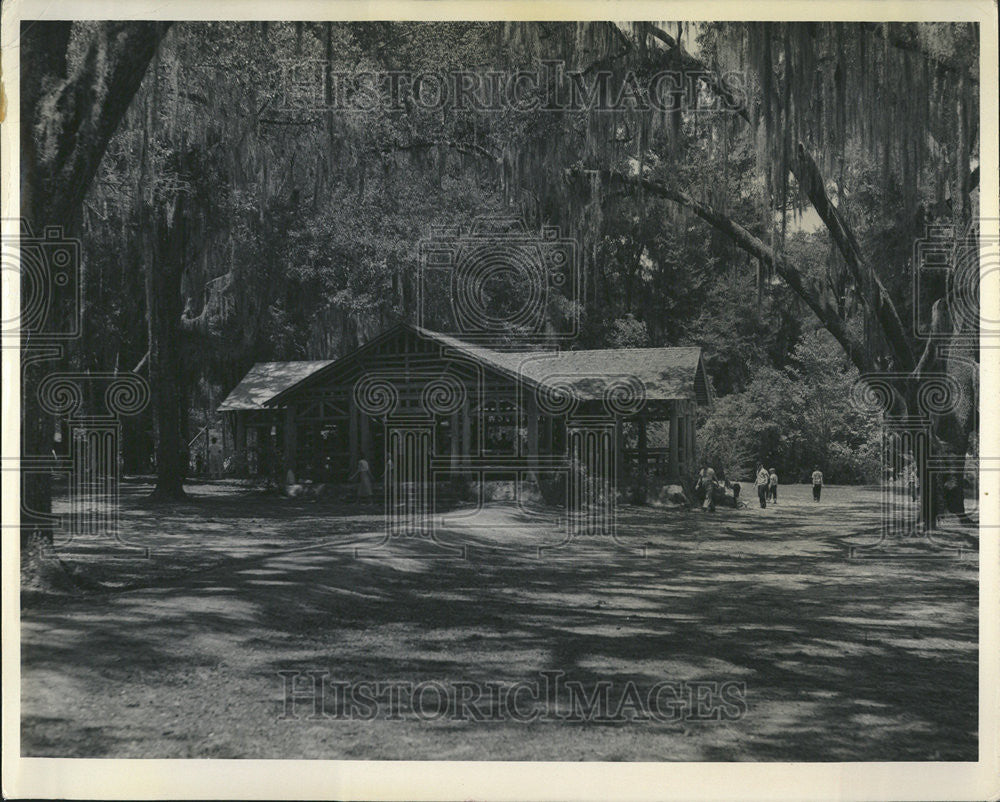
{"type": "Point", "coordinates": [864, 657]}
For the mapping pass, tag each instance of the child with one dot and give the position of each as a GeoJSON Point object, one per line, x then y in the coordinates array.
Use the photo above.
{"type": "Point", "coordinates": [772, 486]}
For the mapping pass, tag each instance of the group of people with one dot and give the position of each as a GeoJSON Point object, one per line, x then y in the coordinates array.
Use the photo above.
{"type": "Point", "coordinates": [708, 483]}
{"type": "Point", "coordinates": [765, 480]}
{"type": "Point", "coordinates": [766, 483]}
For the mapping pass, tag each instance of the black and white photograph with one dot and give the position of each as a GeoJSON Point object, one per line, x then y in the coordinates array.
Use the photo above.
{"type": "Point", "coordinates": [609, 390]}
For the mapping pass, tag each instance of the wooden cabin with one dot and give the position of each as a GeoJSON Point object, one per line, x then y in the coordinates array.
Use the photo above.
{"type": "Point", "coordinates": [468, 408]}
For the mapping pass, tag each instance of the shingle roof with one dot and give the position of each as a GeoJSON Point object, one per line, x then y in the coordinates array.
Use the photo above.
{"type": "Point", "coordinates": [667, 374]}
{"type": "Point", "coordinates": [265, 380]}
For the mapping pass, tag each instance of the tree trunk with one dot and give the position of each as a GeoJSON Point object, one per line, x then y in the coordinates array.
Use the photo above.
{"type": "Point", "coordinates": [68, 114]}
{"type": "Point", "coordinates": [163, 303]}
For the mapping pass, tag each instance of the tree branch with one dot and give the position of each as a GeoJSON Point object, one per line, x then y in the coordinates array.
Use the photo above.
{"type": "Point", "coordinates": [805, 171]}
{"type": "Point", "coordinates": [904, 40]}
{"type": "Point", "coordinates": [69, 124]}
{"type": "Point", "coordinates": [811, 291]}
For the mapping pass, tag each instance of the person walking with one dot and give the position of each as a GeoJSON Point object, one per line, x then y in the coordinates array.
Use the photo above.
{"type": "Point", "coordinates": [364, 474]}
{"type": "Point", "coordinates": [772, 485]}
{"type": "Point", "coordinates": [817, 478]}
{"type": "Point", "coordinates": [761, 483]}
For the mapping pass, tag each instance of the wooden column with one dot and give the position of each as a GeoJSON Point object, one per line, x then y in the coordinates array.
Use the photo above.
{"type": "Point", "coordinates": [692, 437]}
{"type": "Point", "coordinates": [241, 443]}
{"type": "Point", "coordinates": [643, 453]}
{"type": "Point", "coordinates": [290, 439]}
{"type": "Point", "coordinates": [674, 464]}
{"type": "Point", "coordinates": [531, 413]}
{"type": "Point", "coordinates": [352, 432]}
{"type": "Point", "coordinates": [466, 432]}
{"type": "Point", "coordinates": [619, 455]}
{"type": "Point", "coordinates": [365, 423]}
{"type": "Point", "coordinates": [455, 436]}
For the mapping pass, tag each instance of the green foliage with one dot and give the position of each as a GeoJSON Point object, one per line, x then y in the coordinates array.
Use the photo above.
{"type": "Point", "coordinates": [795, 419]}
{"type": "Point", "coordinates": [305, 223]}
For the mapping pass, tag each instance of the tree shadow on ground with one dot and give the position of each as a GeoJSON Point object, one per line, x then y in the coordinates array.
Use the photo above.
{"type": "Point", "coordinates": [841, 659]}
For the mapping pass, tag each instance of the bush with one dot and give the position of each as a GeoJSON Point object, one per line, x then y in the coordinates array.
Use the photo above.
{"type": "Point", "coordinates": [794, 420]}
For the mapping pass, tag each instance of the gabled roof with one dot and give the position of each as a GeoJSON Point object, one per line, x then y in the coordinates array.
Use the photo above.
{"type": "Point", "coordinates": [667, 374]}
{"type": "Point", "coordinates": [265, 380]}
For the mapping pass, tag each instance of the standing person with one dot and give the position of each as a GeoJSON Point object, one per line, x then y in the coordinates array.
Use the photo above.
{"type": "Point", "coordinates": [817, 478]}
{"type": "Point", "coordinates": [709, 484]}
{"type": "Point", "coordinates": [699, 485]}
{"type": "Point", "coordinates": [761, 483]}
{"type": "Point", "coordinates": [911, 480]}
{"type": "Point", "coordinates": [215, 458]}
{"type": "Point", "coordinates": [772, 485]}
{"type": "Point", "coordinates": [364, 474]}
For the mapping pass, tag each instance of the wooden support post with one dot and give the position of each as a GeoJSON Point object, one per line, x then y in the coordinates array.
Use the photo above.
{"type": "Point", "coordinates": [682, 442]}
{"type": "Point", "coordinates": [531, 412]}
{"type": "Point", "coordinates": [290, 439]}
{"type": "Point", "coordinates": [619, 455]}
{"type": "Point", "coordinates": [241, 443]}
{"type": "Point", "coordinates": [674, 464]}
{"type": "Point", "coordinates": [643, 452]}
{"type": "Point", "coordinates": [466, 432]}
{"type": "Point", "coordinates": [366, 436]}
{"type": "Point", "coordinates": [692, 436]}
{"type": "Point", "coordinates": [456, 441]}
{"type": "Point", "coordinates": [352, 433]}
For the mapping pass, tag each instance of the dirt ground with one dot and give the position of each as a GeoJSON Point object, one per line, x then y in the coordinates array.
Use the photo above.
{"type": "Point", "coordinates": [833, 645]}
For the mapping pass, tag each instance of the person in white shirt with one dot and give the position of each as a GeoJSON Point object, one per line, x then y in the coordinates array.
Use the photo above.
{"type": "Point", "coordinates": [817, 478]}
{"type": "Point", "coordinates": [761, 483]}
{"type": "Point", "coordinates": [364, 475]}
{"type": "Point", "coordinates": [772, 486]}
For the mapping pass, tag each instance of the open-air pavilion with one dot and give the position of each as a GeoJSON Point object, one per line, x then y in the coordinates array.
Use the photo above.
{"type": "Point", "coordinates": [468, 408]}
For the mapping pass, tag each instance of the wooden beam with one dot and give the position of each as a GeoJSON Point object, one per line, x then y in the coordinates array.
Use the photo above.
{"type": "Point", "coordinates": [466, 431]}
{"type": "Point", "coordinates": [365, 423]}
{"type": "Point", "coordinates": [241, 444]}
{"type": "Point", "coordinates": [455, 436]}
{"type": "Point", "coordinates": [643, 451]}
{"type": "Point", "coordinates": [290, 439]}
{"type": "Point", "coordinates": [352, 433]}
{"type": "Point", "coordinates": [619, 455]}
{"type": "Point", "coordinates": [531, 412]}
{"type": "Point", "coordinates": [692, 437]}
{"type": "Point", "coordinates": [674, 463]}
